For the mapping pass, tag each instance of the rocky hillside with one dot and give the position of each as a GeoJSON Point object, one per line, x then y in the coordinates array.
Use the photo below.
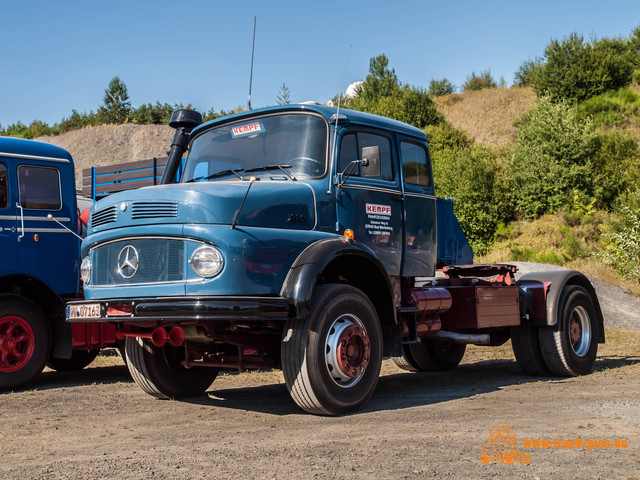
{"type": "Point", "coordinates": [113, 144]}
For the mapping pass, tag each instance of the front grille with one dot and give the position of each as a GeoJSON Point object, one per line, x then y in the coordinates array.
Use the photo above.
{"type": "Point", "coordinates": [104, 216]}
{"type": "Point", "coordinates": [159, 260]}
{"type": "Point", "coordinates": [154, 209]}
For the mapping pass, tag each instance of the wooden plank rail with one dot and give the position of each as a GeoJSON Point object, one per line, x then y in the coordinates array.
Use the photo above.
{"type": "Point", "coordinates": [124, 176]}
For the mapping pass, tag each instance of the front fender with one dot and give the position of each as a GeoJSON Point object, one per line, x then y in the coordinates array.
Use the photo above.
{"type": "Point", "coordinates": [558, 279]}
{"type": "Point", "coordinates": [307, 271]}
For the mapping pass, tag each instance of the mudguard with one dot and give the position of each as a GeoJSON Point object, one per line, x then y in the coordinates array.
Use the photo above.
{"type": "Point", "coordinates": [306, 272]}
{"type": "Point", "coordinates": [558, 279]}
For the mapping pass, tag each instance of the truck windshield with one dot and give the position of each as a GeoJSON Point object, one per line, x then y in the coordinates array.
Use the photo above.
{"type": "Point", "coordinates": [296, 141]}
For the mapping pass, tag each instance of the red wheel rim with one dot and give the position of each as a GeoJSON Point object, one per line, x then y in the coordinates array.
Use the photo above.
{"type": "Point", "coordinates": [17, 344]}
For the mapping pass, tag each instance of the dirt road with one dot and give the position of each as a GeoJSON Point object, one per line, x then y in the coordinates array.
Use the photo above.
{"type": "Point", "coordinates": [99, 424]}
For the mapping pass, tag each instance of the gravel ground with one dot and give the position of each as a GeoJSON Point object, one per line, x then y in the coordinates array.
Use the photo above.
{"type": "Point", "coordinates": [98, 424]}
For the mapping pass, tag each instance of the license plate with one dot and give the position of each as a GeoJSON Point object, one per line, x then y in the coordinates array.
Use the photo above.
{"type": "Point", "coordinates": [88, 310]}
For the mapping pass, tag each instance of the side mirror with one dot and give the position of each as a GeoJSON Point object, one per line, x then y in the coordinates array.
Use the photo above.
{"type": "Point", "coordinates": [372, 167]}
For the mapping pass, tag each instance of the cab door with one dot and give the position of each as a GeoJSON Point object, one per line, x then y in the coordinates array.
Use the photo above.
{"type": "Point", "coordinates": [369, 197]}
{"type": "Point", "coordinates": [46, 250]}
{"type": "Point", "coordinates": [8, 229]}
{"type": "Point", "coordinates": [420, 248]}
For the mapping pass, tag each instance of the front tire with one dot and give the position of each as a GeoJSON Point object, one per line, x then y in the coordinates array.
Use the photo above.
{"type": "Point", "coordinates": [25, 341]}
{"type": "Point", "coordinates": [331, 360]}
{"type": "Point", "coordinates": [570, 347]}
{"type": "Point", "coordinates": [158, 371]}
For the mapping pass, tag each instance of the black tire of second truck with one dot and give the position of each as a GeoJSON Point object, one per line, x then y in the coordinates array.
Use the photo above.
{"type": "Point", "coordinates": [157, 370]}
{"type": "Point", "coordinates": [434, 355]}
{"type": "Point", "coordinates": [79, 359]}
{"type": "Point", "coordinates": [25, 341]}
{"type": "Point", "coordinates": [569, 348]}
{"type": "Point", "coordinates": [331, 360]}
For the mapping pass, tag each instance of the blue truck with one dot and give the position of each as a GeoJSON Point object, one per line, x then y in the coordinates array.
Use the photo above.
{"type": "Point", "coordinates": [307, 238]}
{"type": "Point", "coordinates": [40, 265]}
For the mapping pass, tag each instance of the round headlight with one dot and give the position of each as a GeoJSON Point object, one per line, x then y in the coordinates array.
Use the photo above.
{"type": "Point", "coordinates": [85, 269]}
{"type": "Point", "coordinates": [206, 261]}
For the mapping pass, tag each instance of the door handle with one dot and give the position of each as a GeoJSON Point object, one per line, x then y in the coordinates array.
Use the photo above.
{"type": "Point", "coordinates": [397, 197]}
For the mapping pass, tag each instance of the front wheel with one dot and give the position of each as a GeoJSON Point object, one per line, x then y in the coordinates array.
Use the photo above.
{"type": "Point", "coordinates": [331, 360]}
{"type": "Point", "coordinates": [160, 373]}
{"type": "Point", "coordinates": [25, 341]}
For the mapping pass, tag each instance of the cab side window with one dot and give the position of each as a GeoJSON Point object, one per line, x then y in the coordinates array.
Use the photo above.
{"type": "Point", "coordinates": [415, 164]}
{"type": "Point", "coordinates": [39, 187]}
{"type": "Point", "coordinates": [4, 197]}
{"type": "Point", "coordinates": [351, 149]}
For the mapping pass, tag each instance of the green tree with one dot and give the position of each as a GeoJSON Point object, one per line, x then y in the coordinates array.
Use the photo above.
{"type": "Point", "coordinates": [576, 70]}
{"type": "Point", "coordinates": [480, 81]}
{"type": "Point", "coordinates": [284, 97]}
{"type": "Point", "coordinates": [440, 87]}
{"type": "Point", "coordinates": [381, 81]}
{"type": "Point", "coordinates": [382, 94]}
{"type": "Point", "coordinates": [116, 107]}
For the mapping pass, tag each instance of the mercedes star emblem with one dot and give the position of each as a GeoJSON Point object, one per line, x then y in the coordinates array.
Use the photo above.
{"type": "Point", "coordinates": [128, 262]}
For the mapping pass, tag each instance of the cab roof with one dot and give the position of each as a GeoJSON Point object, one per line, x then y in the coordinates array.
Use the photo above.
{"type": "Point", "coordinates": [11, 146]}
{"type": "Point", "coordinates": [352, 117]}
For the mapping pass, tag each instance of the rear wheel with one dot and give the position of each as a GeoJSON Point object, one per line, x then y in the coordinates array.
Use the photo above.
{"type": "Point", "coordinates": [159, 372]}
{"type": "Point", "coordinates": [331, 359]}
{"type": "Point", "coordinates": [569, 348]}
{"type": "Point", "coordinates": [430, 355]}
{"type": "Point", "coordinates": [79, 359]}
{"type": "Point", "coordinates": [25, 341]}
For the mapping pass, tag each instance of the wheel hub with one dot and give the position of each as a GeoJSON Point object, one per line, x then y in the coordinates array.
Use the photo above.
{"type": "Point", "coordinates": [580, 331]}
{"type": "Point", "coordinates": [17, 344]}
{"type": "Point", "coordinates": [347, 350]}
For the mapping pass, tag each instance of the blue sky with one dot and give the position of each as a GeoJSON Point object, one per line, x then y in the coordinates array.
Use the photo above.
{"type": "Point", "coordinates": [58, 56]}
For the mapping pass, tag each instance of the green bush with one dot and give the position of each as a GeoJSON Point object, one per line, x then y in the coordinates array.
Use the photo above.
{"type": "Point", "coordinates": [622, 237]}
{"type": "Point", "coordinates": [470, 175]}
{"type": "Point", "coordinates": [552, 158]}
{"type": "Point", "coordinates": [440, 87]}
{"type": "Point", "coordinates": [478, 82]}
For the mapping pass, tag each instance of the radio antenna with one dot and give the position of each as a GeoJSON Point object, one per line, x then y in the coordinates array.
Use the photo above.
{"type": "Point", "coordinates": [253, 46]}
{"type": "Point", "coordinates": [335, 130]}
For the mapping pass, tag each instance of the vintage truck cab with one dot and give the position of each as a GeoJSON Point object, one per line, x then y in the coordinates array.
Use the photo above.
{"type": "Point", "coordinates": [293, 238]}
{"type": "Point", "coordinates": [39, 272]}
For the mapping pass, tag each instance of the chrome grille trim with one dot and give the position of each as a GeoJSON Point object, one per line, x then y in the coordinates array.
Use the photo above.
{"type": "Point", "coordinates": [104, 216]}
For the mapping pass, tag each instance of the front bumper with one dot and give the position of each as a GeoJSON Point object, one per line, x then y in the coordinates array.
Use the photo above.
{"type": "Point", "coordinates": [182, 310]}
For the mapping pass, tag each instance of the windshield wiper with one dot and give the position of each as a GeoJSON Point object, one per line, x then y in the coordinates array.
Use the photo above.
{"type": "Point", "coordinates": [217, 174]}
{"type": "Point", "coordinates": [272, 167]}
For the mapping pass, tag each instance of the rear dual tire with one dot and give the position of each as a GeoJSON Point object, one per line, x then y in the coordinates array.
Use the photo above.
{"type": "Point", "coordinates": [566, 349]}
{"type": "Point", "coordinates": [430, 355]}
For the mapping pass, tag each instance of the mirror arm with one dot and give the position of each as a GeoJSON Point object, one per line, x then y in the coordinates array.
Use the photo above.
{"type": "Point", "coordinates": [344, 175]}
